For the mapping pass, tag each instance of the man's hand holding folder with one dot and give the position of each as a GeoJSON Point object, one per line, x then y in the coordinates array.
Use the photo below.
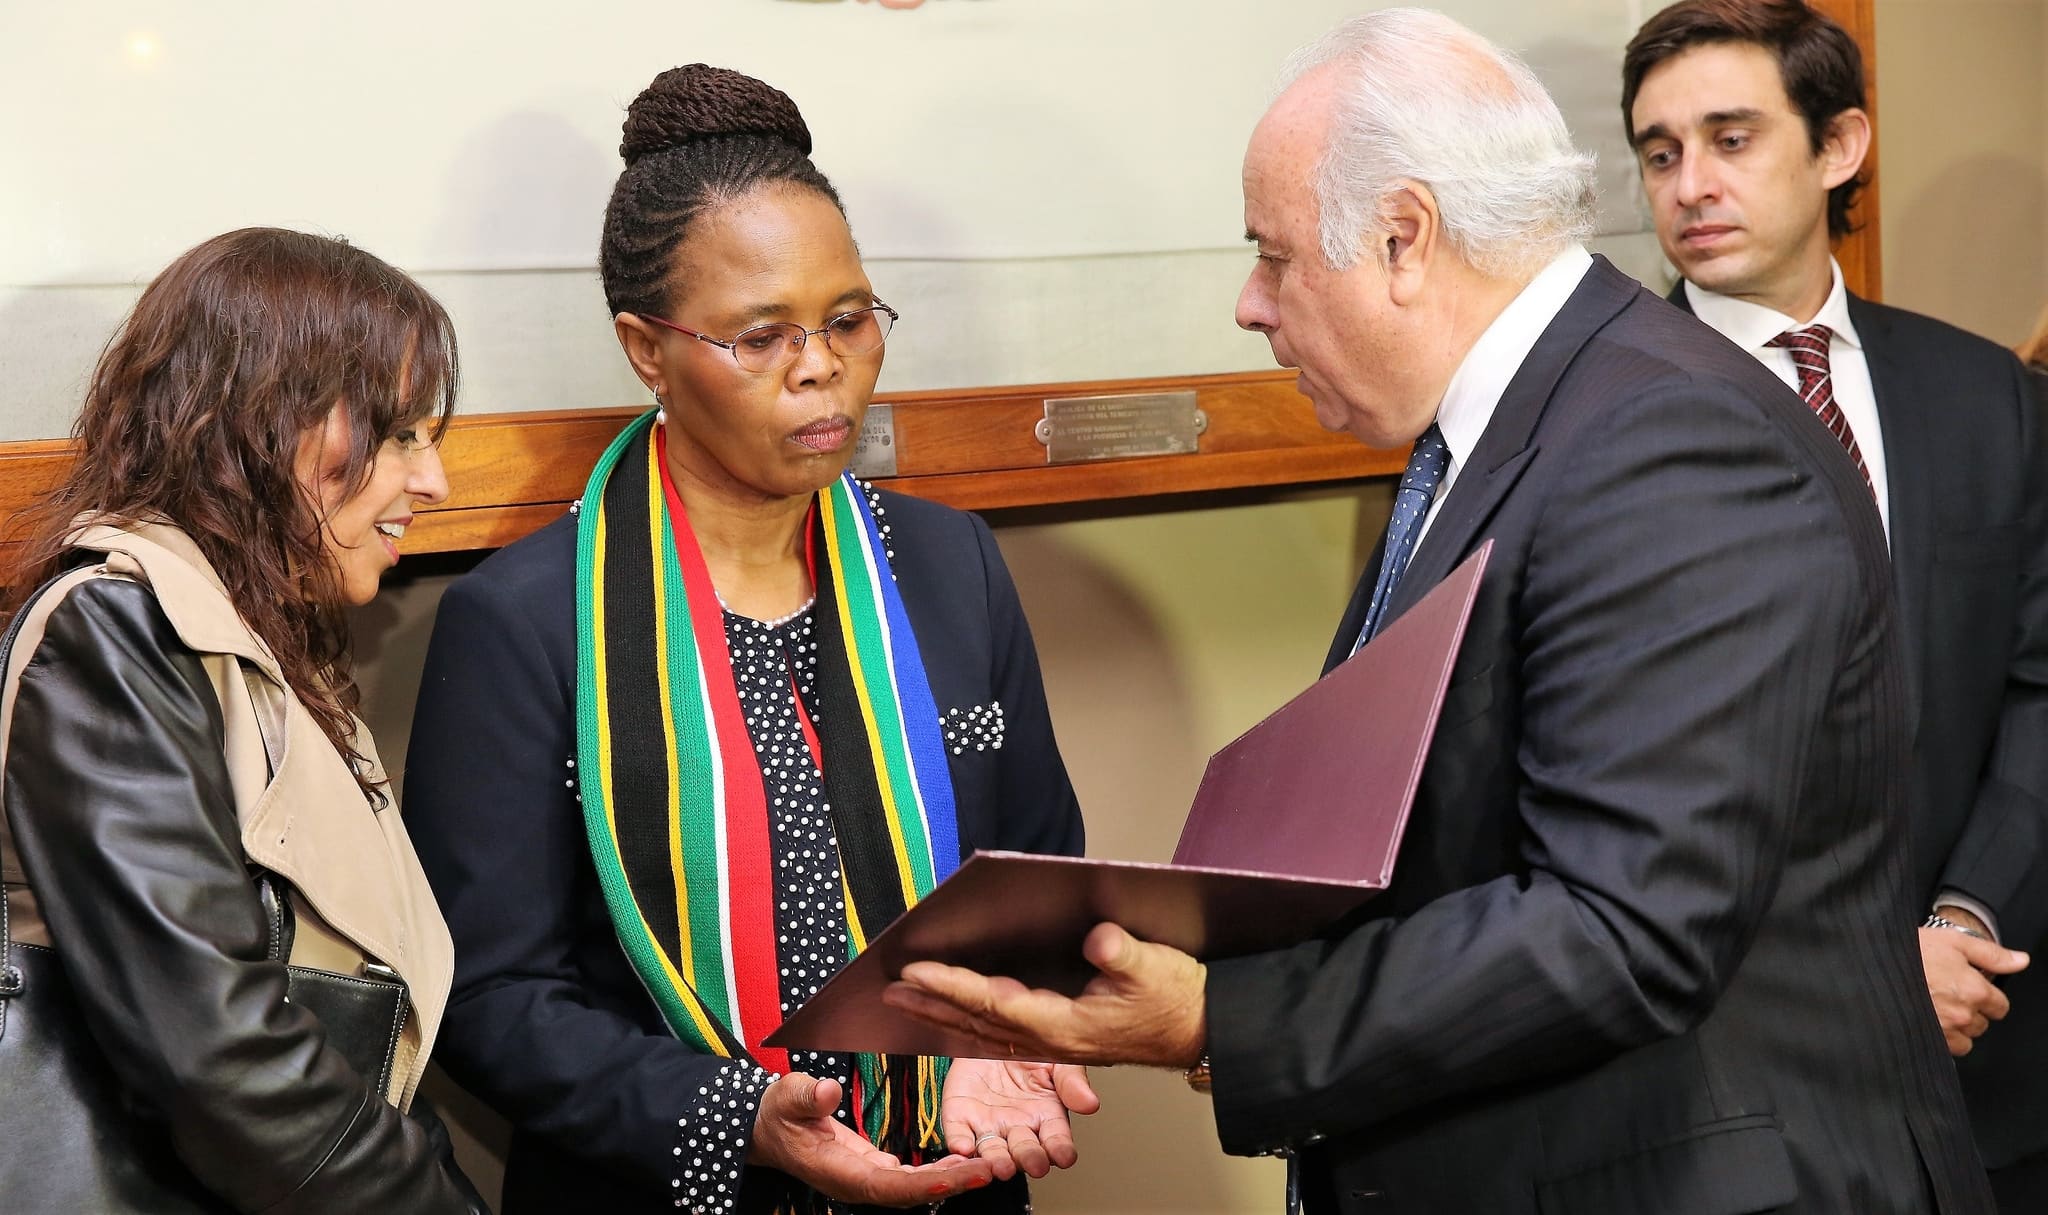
{"type": "Point", "coordinates": [1145, 1006]}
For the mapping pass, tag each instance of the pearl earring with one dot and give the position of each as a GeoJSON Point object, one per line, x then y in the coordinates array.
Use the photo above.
{"type": "Point", "coordinates": [660, 410]}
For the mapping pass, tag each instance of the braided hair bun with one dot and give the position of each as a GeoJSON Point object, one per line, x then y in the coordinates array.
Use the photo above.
{"type": "Point", "coordinates": [697, 138]}
{"type": "Point", "coordinates": [698, 101]}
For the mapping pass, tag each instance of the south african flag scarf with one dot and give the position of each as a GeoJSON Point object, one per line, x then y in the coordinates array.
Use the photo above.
{"type": "Point", "coordinates": [672, 797]}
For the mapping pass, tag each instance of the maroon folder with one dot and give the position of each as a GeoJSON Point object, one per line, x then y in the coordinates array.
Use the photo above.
{"type": "Point", "coordinates": [1295, 825]}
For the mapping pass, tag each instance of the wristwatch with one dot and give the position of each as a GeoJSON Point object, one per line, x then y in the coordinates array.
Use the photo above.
{"type": "Point", "coordinates": [1198, 1077]}
{"type": "Point", "coordinates": [1938, 920]}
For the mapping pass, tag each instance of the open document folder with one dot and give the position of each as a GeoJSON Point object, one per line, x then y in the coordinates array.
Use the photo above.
{"type": "Point", "coordinates": [1295, 824]}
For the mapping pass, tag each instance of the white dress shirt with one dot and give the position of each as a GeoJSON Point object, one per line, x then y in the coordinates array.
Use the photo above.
{"type": "Point", "coordinates": [1751, 325]}
{"type": "Point", "coordinates": [1483, 375]}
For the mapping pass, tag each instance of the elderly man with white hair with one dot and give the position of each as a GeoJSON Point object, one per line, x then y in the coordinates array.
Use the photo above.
{"type": "Point", "coordinates": [1642, 954]}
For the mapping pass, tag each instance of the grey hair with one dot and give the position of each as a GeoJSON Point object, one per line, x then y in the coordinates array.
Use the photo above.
{"type": "Point", "coordinates": [1423, 99]}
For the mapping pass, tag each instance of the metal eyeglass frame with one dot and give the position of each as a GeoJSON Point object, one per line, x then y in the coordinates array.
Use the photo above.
{"type": "Point", "coordinates": [796, 352]}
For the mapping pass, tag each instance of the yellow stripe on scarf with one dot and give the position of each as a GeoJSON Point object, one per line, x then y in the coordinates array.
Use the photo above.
{"type": "Point", "coordinates": [705, 1029]}
{"type": "Point", "coordinates": [655, 541]}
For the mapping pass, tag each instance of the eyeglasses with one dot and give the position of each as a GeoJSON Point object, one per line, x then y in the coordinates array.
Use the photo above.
{"type": "Point", "coordinates": [774, 347]}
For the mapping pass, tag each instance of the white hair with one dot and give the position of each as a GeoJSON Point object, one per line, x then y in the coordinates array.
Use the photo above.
{"type": "Point", "coordinates": [1423, 99]}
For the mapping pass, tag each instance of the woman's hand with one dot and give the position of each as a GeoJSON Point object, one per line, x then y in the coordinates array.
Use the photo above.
{"type": "Point", "coordinates": [795, 1131]}
{"type": "Point", "coordinates": [1014, 1114]}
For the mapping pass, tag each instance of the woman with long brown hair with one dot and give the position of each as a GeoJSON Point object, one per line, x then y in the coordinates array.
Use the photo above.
{"type": "Point", "coordinates": [223, 969]}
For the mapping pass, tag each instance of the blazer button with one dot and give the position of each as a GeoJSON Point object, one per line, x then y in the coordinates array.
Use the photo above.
{"type": "Point", "coordinates": [1372, 1196]}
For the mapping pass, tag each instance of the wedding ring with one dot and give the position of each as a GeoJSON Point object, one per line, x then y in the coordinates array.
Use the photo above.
{"type": "Point", "coordinates": [985, 1138]}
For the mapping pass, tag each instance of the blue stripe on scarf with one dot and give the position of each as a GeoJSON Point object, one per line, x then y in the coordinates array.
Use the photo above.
{"type": "Point", "coordinates": [920, 714]}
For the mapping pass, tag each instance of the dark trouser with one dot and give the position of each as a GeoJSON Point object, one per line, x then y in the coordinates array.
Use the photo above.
{"type": "Point", "coordinates": [2022, 1187]}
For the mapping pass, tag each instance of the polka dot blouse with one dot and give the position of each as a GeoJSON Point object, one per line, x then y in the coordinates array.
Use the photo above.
{"type": "Point", "coordinates": [773, 663]}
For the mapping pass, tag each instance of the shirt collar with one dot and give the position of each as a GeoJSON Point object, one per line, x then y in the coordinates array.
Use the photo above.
{"type": "Point", "coordinates": [1487, 369]}
{"type": "Point", "coordinates": [1751, 326]}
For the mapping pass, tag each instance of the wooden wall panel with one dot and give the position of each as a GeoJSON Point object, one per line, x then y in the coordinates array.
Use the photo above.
{"type": "Point", "coordinates": [1862, 269]}
{"type": "Point", "coordinates": [513, 472]}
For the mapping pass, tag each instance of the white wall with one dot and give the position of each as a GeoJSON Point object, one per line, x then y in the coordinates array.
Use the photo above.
{"type": "Point", "coordinates": [1046, 188]}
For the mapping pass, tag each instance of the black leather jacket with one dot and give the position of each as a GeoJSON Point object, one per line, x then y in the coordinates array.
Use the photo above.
{"type": "Point", "coordinates": [118, 797]}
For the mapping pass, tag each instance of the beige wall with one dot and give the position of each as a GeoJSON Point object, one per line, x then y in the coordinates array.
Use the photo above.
{"type": "Point", "coordinates": [1962, 131]}
{"type": "Point", "coordinates": [1164, 634]}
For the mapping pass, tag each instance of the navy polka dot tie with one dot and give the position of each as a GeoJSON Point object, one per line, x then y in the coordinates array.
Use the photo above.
{"type": "Point", "coordinates": [1809, 347]}
{"type": "Point", "coordinates": [1426, 465]}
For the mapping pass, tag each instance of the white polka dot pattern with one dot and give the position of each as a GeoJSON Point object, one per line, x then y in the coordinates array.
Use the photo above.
{"type": "Point", "coordinates": [882, 526]}
{"type": "Point", "coordinates": [975, 728]}
{"type": "Point", "coordinates": [774, 662]}
{"type": "Point", "coordinates": [711, 1144]}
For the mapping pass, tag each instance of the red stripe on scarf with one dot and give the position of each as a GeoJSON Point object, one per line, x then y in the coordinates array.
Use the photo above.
{"type": "Point", "coordinates": [750, 869]}
{"type": "Point", "coordinates": [803, 715]}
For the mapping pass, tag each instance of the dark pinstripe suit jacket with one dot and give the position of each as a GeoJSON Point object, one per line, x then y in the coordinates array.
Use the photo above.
{"type": "Point", "coordinates": [1649, 949]}
{"type": "Point", "coordinates": [1967, 464]}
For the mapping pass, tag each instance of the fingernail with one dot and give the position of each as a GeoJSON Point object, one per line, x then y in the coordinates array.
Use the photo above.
{"type": "Point", "coordinates": [938, 1189]}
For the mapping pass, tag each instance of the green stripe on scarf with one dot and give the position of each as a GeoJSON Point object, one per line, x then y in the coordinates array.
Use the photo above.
{"type": "Point", "coordinates": [672, 787]}
{"type": "Point", "coordinates": [865, 635]}
{"type": "Point", "coordinates": [598, 546]}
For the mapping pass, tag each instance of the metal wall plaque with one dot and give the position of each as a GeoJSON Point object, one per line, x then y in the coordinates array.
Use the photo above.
{"type": "Point", "coordinates": [874, 448]}
{"type": "Point", "coordinates": [1113, 427]}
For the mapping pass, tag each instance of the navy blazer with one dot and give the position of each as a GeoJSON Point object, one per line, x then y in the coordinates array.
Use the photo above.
{"type": "Point", "coordinates": [548, 1023]}
{"type": "Point", "coordinates": [1647, 948]}
{"type": "Point", "coordinates": [1967, 464]}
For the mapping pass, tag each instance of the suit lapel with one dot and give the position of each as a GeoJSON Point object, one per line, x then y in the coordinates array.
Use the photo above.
{"type": "Point", "coordinates": [1909, 447]}
{"type": "Point", "coordinates": [1506, 446]}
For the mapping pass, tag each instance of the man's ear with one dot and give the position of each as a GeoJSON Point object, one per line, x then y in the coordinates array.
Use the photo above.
{"type": "Point", "coordinates": [1411, 236]}
{"type": "Point", "coordinates": [643, 349]}
{"type": "Point", "coordinates": [1844, 146]}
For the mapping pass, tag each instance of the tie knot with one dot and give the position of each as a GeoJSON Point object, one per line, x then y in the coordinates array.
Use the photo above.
{"type": "Point", "coordinates": [1426, 464]}
{"type": "Point", "coordinates": [1813, 339]}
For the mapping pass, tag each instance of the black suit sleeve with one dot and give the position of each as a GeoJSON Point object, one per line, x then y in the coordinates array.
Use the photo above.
{"type": "Point", "coordinates": [491, 803]}
{"type": "Point", "coordinates": [1688, 597]}
{"type": "Point", "coordinates": [2001, 858]}
{"type": "Point", "coordinates": [121, 807]}
{"type": "Point", "coordinates": [1039, 811]}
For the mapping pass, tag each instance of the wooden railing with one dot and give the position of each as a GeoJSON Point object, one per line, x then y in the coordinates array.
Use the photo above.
{"type": "Point", "coordinates": [975, 449]}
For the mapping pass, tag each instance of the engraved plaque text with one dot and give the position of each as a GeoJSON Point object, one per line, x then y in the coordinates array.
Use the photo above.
{"type": "Point", "coordinates": [874, 449]}
{"type": "Point", "coordinates": [1114, 427]}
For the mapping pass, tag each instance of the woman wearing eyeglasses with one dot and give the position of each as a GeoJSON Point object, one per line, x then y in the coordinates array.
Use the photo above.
{"type": "Point", "coordinates": [679, 754]}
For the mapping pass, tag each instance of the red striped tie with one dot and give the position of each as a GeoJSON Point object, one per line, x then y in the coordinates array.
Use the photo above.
{"type": "Point", "coordinates": [1809, 347]}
